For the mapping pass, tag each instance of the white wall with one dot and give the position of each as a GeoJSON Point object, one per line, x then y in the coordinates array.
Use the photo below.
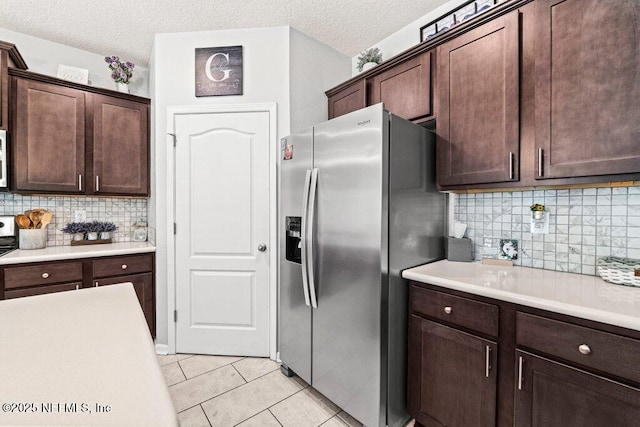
{"type": "Point", "coordinates": [266, 77]}
{"type": "Point", "coordinates": [408, 36]}
{"type": "Point", "coordinates": [43, 56]}
{"type": "Point", "coordinates": [314, 68]}
{"type": "Point", "coordinates": [280, 65]}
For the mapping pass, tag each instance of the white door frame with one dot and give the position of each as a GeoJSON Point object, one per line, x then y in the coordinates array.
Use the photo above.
{"type": "Point", "coordinates": [172, 112]}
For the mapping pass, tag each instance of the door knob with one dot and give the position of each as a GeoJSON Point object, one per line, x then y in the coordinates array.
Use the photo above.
{"type": "Point", "coordinates": [262, 247]}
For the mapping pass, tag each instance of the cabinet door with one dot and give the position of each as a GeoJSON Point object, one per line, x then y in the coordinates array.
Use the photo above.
{"type": "Point", "coordinates": [451, 376]}
{"type": "Point", "coordinates": [143, 284]}
{"type": "Point", "coordinates": [587, 88]}
{"type": "Point", "coordinates": [349, 99]}
{"type": "Point", "coordinates": [120, 146]}
{"type": "Point", "coordinates": [477, 104]}
{"type": "Point", "coordinates": [4, 89]}
{"type": "Point", "coordinates": [553, 394]}
{"type": "Point", "coordinates": [48, 138]}
{"type": "Point", "coordinates": [406, 88]}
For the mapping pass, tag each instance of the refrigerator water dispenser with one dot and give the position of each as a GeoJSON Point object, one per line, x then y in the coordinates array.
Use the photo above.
{"type": "Point", "coordinates": [293, 243]}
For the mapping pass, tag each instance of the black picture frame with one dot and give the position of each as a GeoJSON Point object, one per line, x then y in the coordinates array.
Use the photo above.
{"type": "Point", "coordinates": [218, 71]}
{"type": "Point", "coordinates": [426, 31]}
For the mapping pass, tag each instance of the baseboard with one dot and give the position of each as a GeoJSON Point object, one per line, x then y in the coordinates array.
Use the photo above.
{"type": "Point", "coordinates": [162, 349]}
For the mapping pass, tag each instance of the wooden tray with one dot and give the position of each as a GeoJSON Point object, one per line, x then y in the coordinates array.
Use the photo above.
{"type": "Point", "coordinates": [90, 242]}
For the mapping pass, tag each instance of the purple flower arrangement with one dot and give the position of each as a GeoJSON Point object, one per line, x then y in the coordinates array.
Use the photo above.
{"type": "Point", "coordinates": [89, 227]}
{"type": "Point", "coordinates": [121, 72]}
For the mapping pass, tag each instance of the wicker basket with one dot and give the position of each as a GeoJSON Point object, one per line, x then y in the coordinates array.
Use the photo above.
{"type": "Point", "coordinates": [621, 271]}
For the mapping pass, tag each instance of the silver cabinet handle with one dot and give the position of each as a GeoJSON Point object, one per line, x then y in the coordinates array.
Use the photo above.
{"type": "Point", "coordinates": [520, 363]}
{"type": "Point", "coordinates": [310, 223]}
{"type": "Point", "coordinates": [448, 310]}
{"type": "Point", "coordinates": [97, 183]}
{"type": "Point", "coordinates": [124, 266]}
{"type": "Point", "coordinates": [45, 275]}
{"type": "Point", "coordinates": [510, 165]}
{"type": "Point", "coordinates": [487, 364]}
{"type": "Point", "coordinates": [262, 247]}
{"type": "Point", "coordinates": [584, 349]}
{"type": "Point", "coordinates": [540, 154]}
{"type": "Point", "coordinates": [303, 238]}
{"type": "Point", "coordinates": [79, 182]}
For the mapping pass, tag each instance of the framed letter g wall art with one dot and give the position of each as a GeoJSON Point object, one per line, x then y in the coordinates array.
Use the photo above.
{"type": "Point", "coordinates": [219, 71]}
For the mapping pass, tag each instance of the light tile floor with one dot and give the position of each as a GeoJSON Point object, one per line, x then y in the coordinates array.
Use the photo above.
{"type": "Point", "coordinates": [244, 391]}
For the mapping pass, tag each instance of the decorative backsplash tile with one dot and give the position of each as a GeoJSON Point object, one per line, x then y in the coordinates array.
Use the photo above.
{"type": "Point", "coordinates": [124, 212]}
{"type": "Point", "coordinates": [585, 224]}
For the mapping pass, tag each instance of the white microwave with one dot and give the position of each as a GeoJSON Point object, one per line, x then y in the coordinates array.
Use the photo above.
{"type": "Point", "coordinates": [3, 159]}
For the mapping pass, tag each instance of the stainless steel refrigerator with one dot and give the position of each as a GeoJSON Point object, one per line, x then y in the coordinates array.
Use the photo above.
{"type": "Point", "coordinates": [357, 205]}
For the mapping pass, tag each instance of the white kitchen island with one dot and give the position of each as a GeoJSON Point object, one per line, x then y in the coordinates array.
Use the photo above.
{"type": "Point", "coordinates": [80, 358]}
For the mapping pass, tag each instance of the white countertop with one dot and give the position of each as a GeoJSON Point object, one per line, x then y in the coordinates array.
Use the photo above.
{"type": "Point", "coordinates": [587, 297]}
{"type": "Point", "coordinates": [54, 253]}
{"type": "Point", "coordinates": [87, 347]}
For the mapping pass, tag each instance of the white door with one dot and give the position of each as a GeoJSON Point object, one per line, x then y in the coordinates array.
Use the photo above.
{"type": "Point", "coordinates": [222, 219]}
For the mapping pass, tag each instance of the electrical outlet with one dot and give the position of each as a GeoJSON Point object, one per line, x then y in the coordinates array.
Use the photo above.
{"type": "Point", "coordinates": [80, 216]}
{"type": "Point", "coordinates": [487, 242]}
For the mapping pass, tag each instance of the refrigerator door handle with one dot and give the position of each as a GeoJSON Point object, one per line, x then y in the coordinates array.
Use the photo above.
{"type": "Point", "coordinates": [310, 234]}
{"type": "Point", "coordinates": [303, 238]}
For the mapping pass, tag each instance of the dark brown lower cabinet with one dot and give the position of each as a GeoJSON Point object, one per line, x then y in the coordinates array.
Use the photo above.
{"type": "Point", "coordinates": [554, 394]}
{"type": "Point", "coordinates": [546, 370]}
{"type": "Point", "coordinates": [452, 376]}
{"type": "Point", "coordinates": [143, 285]}
{"type": "Point", "coordinates": [37, 278]}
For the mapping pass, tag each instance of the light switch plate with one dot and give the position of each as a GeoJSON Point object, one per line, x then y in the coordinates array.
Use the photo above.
{"type": "Point", "coordinates": [80, 216]}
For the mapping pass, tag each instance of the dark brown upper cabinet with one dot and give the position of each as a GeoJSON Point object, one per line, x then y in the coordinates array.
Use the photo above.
{"type": "Point", "coordinates": [405, 89]}
{"type": "Point", "coordinates": [587, 93]}
{"type": "Point", "coordinates": [9, 57]}
{"type": "Point", "coordinates": [351, 98]}
{"type": "Point", "coordinates": [48, 138]}
{"type": "Point", "coordinates": [120, 146]}
{"type": "Point", "coordinates": [72, 139]}
{"type": "Point", "coordinates": [477, 104]}
{"type": "Point", "coordinates": [532, 92]}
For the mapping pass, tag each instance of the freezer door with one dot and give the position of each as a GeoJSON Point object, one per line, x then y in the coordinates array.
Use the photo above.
{"type": "Point", "coordinates": [349, 154]}
{"type": "Point", "coordinates": [294, 315]}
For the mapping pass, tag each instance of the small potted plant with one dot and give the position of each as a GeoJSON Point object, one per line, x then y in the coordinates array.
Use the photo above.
{"type": "Point", "coordinates": [537, 211]}
{"type": "Point", "coordinates": [93, 228]}
{"type": "Point", "coordinates": [76, 229]}
{"type": "Point", "coordinates": [369, 59]}
{"type": "Point", "coordinates": [121, 72]}
{"type": "Point", "coordinates": [106, 229]}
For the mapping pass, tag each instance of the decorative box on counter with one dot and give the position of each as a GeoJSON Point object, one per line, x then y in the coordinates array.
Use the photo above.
{"type": "Point", "coordinates": [459, 249]}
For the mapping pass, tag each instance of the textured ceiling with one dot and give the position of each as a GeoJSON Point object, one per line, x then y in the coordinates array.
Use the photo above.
{"type": "Point", "coordinates": [126, 27]}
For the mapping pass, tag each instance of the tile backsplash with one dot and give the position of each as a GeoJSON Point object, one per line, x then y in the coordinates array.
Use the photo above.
{"type": "Point", "coordinates": [123, 212]}
{"type": "Point", "coordinates": [584, 224]}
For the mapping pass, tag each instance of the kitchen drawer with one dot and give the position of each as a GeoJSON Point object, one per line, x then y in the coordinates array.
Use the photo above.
{"type": "Point", "coordinates": [42, 274]}
{"type": "Point", "coordinates": [116, 266]}
{"type": "Point", "coordinates": [464, 312]}
{"type": "Point", "coordinates": [599, 350]}
{"type": "Point", "coordinates": [40, 290]}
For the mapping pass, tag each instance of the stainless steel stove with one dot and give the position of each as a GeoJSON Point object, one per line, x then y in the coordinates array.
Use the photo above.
{"type": "Point", "coordinates": [8, 240]}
